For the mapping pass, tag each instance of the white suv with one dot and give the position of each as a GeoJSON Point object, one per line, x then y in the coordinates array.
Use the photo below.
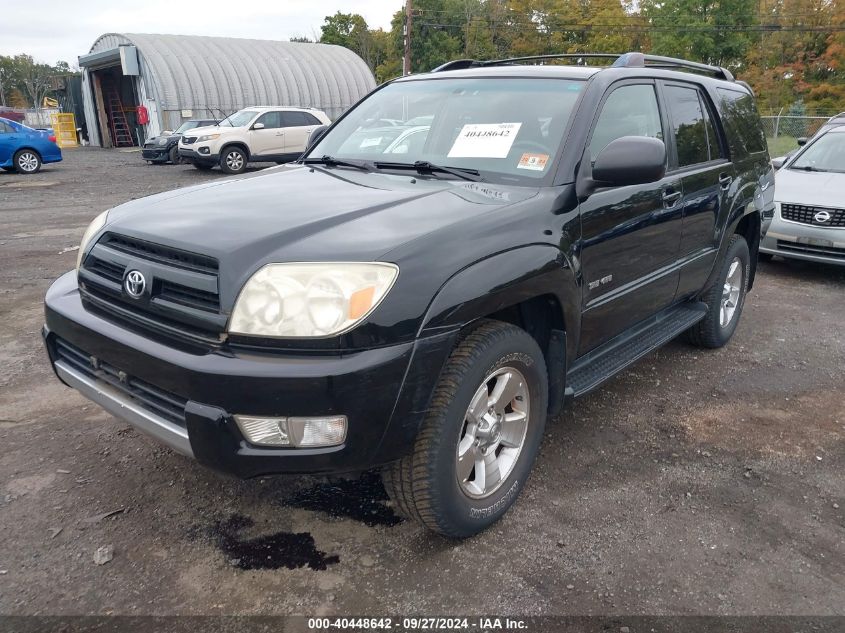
{"type": "Point", "coordinates": [256, 134]}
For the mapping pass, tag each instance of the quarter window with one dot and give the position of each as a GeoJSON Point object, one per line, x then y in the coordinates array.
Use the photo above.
{"type": "Point", "coordinates": [630, 110]}
{"type": "Point", "coordinates": [688, 123]}
{"type": "Point", "coordinates": [294, 118]}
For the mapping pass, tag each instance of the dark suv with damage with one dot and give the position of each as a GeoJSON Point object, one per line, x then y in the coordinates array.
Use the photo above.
{"type": "Point", "coordinates": [422, 301]}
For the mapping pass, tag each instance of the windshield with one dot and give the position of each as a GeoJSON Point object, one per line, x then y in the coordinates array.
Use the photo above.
{"type": "Point", "coordinates": [238, 119]}
{"type": "Point", "coordinates": [508, 129]}
{"type": "Point", "coordinates": [826, 154]}
{"type": "Point", "coordinates": [187, 125]}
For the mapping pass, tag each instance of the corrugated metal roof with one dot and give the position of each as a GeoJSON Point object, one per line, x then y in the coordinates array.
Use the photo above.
{"type": "Point", "coordinates": [224, 73]}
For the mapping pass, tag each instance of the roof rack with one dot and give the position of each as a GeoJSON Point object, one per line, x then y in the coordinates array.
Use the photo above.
{"type": "Point", "coordinates": [623, 60]}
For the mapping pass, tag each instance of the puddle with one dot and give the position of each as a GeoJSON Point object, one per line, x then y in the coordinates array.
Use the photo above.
{"type": "Point", "coordinates": [359, 499]}
{"type": "Point", "coordinates": [273, 551]}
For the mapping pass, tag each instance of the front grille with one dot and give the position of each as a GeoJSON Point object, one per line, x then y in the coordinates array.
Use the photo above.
{"type": "Point", "coordinates": [189, 140]}
{"type": "Point", "coordinates": [161, 402]}
{"type": "Point", "coordinates": [180, 298]}
{"type": "Point", "coordinates": [805, 214]}
{"type": "Point", "coordinates": [811, 249]}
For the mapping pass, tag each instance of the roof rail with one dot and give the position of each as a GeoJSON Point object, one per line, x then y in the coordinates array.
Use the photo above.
{"type": "Point", "coordinates": [623, 60]}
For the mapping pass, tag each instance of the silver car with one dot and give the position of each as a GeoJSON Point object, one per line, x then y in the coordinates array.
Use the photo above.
{"type": "Point", "coordinates": [809, 220]}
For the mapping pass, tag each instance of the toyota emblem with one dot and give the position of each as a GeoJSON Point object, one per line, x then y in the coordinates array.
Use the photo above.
{"type": "Point", "coordinates": [822, 216]}
{"type": "Point", "coordinates": [134, 283]}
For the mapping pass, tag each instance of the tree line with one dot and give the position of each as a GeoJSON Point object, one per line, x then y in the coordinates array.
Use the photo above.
{"type": "Point", "coordinates": [792, 52]}
{"type": "Point", "coordinates": [25, 82]}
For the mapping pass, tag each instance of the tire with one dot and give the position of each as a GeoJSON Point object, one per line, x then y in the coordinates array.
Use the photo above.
{"type": "Point", "coordinates": [764, 257]}
{"type": "Point", "coordinates": [724, 304]}
{"type": "Point", "coordinates": [425, 485]}
{"type": "Point", "coordinates": [202, 166]}
{"type": "Point", "coordinates": [173, 155]}
{"type": "Point", "coordinates": [27, 162]}
{"type": "Point", "coordinates": [233, 160]}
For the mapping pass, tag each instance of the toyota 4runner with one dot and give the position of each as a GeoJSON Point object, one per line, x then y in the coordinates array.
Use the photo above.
{"type": "Point", "coordinates": [446, 266]}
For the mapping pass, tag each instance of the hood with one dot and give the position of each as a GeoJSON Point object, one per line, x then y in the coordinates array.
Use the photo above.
{"type": "Point", "coordinates": [296, 213]}
{"type": "Point", "coordinates": [823, 189]}
{"type": "Point", "coordinates": [209, 129]}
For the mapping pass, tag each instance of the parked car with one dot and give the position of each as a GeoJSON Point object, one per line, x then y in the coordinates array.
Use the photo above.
{"type": "Point", "coordinates": [165, 147]}
{"type": "Point", "coordinates": [24, 150]}
{"type": "Point", "coordinates": [258, 134]}
{"type": "Point", "coordinates": [832, 122]}
{"type": "Point", "coordinates": [424, 312]}
{"type": "Point", "coordinates": [809, 220]}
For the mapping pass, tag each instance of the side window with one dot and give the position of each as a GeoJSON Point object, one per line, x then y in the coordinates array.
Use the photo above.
{"type": "Point", "coordinates": [294, 118]}
{"type": "Point", "coordinates": [742, 122]}
{"type": "Point", "coordinates": [688, 122]}
{"type": "Point", "coordinates": [716, 151]}
{"type": "Point", "coordinates": [630, 110]}
{"type": "Point", "coordinates": [270, 120]}
{"type": "Point", "coordinates": [4, 129]}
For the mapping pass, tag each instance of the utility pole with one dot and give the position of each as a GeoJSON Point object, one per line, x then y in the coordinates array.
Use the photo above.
{"type": "Point", "coordinates": [406, 64]}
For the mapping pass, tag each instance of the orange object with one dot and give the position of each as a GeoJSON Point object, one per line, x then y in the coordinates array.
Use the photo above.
{"type": "Point", "coordinates": [360, 302]}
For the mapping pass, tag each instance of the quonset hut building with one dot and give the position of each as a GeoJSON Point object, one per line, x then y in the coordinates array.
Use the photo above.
{"type": "Point", "coordinates": [179, 77]}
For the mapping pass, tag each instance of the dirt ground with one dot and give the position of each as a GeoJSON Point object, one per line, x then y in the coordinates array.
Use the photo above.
{"type": "Point", "coordinates": [697, 482]}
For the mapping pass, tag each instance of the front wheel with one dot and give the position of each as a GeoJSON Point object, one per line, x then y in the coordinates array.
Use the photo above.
{"type": "Point", "coordinates": [725, 299]}
{"type": "Point", "coordinates": [479, 440]}
{"type": "Point", "coordinates": [233, 160]}
{"type": "Point", "coordinates": [174, 157]}
{"type": "Point", "coordinates": [27, 162]}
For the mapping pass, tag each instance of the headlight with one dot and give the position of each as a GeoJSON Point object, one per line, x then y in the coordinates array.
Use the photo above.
{"type": "Point", "coordinates": [310, 299]}
{"type": "Point", "coordinates": [93, 228]}
{"type": "Point", "coordinates": [207, 137]}
{"type": "Point", "coordinates": [162, 140]}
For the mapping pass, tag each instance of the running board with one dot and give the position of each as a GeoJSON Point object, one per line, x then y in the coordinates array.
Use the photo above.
{"type": "Point", "coordinates": [594, 368]}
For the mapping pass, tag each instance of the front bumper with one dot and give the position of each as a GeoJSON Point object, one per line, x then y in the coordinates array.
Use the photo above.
{"type": "Point", "coordinates": [155, 153]}
{"type": "Point", "coordinates": [384, 392]}
{"type": "Point", "coordinates": [192, 154]}
{"type": "Point", "coordinates": [804, 241]}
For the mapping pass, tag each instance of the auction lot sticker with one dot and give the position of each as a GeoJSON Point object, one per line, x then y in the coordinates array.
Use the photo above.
{"type": "Point", "coordinates": [485, 140]}
{"type": "Point", "coordinates": [534, 162]}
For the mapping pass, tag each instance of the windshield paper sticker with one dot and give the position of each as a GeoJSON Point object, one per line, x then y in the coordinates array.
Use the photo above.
{"type": "Point", "coordinates": [485, 140]}
{"type": "Point", "coordinates": [534, 162]}
{"type": "Point", "coordinates": [371, 142]}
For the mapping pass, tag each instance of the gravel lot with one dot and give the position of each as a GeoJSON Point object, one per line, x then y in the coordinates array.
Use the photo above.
{"type": "Point", "coordinates": [694, 483]}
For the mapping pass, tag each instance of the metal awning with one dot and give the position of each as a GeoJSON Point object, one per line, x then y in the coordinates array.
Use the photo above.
{"type": "Point", "coordinates": [124, 56]}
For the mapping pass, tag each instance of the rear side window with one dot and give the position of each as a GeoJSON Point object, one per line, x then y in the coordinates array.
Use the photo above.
{"type": "Point", "coordinates": [742, 121]}
{"type": "Point", "coordinates": [298, 119]}
{"type": "Point", "coordinates": [630, 110]}
{"type": "Point", "coordinates": [688, 122]}
{"type": "Point", "coordinates": [5, 129]}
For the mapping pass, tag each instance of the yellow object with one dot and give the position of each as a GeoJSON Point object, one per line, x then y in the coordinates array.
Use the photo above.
{"type": "Point", "coordinates": [64, 127]}
{"type": "Point", "coordinates": [50, 103]}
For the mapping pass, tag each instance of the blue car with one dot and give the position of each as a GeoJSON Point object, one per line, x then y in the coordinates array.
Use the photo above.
{"type": "Point", "coordinates": [24, 150]}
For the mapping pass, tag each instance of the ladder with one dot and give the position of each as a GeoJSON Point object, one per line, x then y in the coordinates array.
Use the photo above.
{"type": "Point", "coordinates": [121, 134]}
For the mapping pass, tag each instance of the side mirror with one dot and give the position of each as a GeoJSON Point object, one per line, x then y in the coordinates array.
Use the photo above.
{"type": "Point", "coordinates": [630, 160]}
{"type": "Point", "coordinates": [801, 140]}
{"type": "Point", "coordinates": [316, 135]}
{"type": "Point", "coordinates": [258, 126]}
{"type": "Point", "coordinates": [777, 163]}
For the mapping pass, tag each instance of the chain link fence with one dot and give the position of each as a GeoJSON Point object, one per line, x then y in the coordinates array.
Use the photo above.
{"type": "Point", "coordinates": [784, 130]}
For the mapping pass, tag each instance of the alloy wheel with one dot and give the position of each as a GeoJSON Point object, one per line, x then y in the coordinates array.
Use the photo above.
{"type": "Point", "coordinates": [493, 432]}
{"type": "Point", "coordinates": [28, 162]}
{"type": "Point", "coordinates": [731, 292]}
{"type": "Point", "coordinates": [235, 161]}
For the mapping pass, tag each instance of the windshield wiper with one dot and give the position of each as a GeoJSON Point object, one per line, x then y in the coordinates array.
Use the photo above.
{"type": "Point", "coordinates": [425, 167]}
{"type": "Point", "coordinates": [808, 168]}
{"type": "Point", "coordinates": [331, 161]}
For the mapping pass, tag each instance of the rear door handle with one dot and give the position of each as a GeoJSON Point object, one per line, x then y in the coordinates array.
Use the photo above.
{"type": "Point", "coordinates": [670, 197]}
{"type": "Point", "coordinates": [725, 180]}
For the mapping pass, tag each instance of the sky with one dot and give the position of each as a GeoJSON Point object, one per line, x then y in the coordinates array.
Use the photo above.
{"type": "Point", "coordinates": [53, 30]}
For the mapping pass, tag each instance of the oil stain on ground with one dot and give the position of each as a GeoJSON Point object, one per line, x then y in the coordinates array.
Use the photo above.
{"type": "Point", "coordinates": [273, 551]}
{"type": "Point", "coordinates": [360, 499]}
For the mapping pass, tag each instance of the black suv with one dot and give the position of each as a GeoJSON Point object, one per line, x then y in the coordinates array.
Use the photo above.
{"type": "Point", "coordinates": [165, 146]}
{"type": "Point", "coordinates": [530, 231]}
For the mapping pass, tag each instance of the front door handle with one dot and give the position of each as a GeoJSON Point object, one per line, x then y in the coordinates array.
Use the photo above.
{"type": "Point", "coordinates": [725, 180]}
{"type": "Point", "coordinates": [670, 197]}
{"type": "Point", "coordinates": [280, 133]}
